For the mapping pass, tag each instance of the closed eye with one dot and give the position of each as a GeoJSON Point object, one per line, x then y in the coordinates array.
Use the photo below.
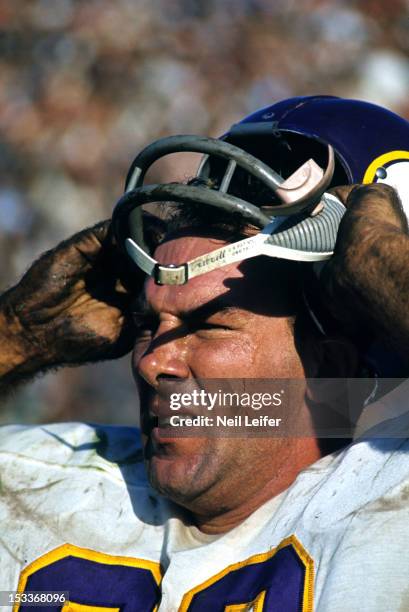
{"type": "Point", "coordinates": [206, 325]}
{"type": "Point", "coordinates": [209, 329]}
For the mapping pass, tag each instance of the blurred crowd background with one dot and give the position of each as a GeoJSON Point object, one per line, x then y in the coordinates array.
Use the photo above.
{"type": "Point", "coordinates": [85, 84]}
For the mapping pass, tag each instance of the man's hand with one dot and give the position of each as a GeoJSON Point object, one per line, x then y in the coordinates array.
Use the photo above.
{"type": "Point", "coordinates": [72, 306]}
{"type": "Point", "coordinates": [366, 283]}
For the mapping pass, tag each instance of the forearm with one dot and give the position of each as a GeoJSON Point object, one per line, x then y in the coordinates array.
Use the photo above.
{"type": "Point", "coordinates": [20, 358]}
{"type": "Point", "coordinates": [17, 359]}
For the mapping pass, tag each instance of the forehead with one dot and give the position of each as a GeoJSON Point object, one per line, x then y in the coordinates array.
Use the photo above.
{"type": "Point", "coordinates": [248, 284]}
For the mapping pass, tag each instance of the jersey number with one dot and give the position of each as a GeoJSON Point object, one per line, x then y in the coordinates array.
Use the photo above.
{"type": "Point", "coordinates": [279, 580]}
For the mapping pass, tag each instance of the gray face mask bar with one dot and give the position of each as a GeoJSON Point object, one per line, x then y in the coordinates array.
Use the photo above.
{"type": "Point", "coordinates": [303, 228]}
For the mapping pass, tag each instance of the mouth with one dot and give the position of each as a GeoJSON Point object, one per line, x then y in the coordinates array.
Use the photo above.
{"type": "Point", "coordinates": [155, 421]}
{"type": "Point", "coordinates": [153, 411]}
{"type": "Point", "coordinates": [160, 436]}
{"type": "Point", "coordinates": [157, 414]}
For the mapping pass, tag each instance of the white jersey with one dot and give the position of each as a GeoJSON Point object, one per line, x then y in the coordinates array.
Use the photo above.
{"type": "Point", "coordinates": [77, 515]}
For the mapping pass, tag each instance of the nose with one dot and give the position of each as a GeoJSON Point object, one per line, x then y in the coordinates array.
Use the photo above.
{"type": "Point", "coordinates": [165, 357]}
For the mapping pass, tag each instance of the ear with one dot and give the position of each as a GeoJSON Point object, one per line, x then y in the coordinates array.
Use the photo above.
{"type": "Point", "coordinates": [332, 406]}
{"type": "Point", "coordinates": [337, 357]}
{"type": "Point", "coordinates": [325, 356]}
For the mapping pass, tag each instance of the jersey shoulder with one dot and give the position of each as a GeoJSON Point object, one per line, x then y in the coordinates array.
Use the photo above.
{"type": "Point", "coordinates": [112, 449]}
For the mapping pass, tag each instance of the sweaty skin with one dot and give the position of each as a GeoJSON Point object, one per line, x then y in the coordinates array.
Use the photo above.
{"type": "Point", "coordinates": [230, 323]}
{"type": "Point", "coordinates": [73, 306]}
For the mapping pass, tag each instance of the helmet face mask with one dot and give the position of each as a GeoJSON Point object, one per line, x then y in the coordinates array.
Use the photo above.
{"type": "Point", "coordinates": [359, 132]}
{"type": "Point", "coordinates": [262, 170]}
{"type": "Point", "coordinates": [285, 152]}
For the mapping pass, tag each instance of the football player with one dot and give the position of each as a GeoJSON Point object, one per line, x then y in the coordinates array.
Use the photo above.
{"type": "Point", "coordinates": [240, 285]}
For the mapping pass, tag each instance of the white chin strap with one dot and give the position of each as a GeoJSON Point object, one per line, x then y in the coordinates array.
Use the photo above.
{"type": "Point", "coordinates": [310, 240]}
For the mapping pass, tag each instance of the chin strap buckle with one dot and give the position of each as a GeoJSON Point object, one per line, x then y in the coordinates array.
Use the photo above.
{"type": "Point", "coordinates": [171, 274]}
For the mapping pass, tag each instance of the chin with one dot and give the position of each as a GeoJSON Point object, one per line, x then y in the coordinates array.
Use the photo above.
{"type": "Point", "coordinates": [180, 480]}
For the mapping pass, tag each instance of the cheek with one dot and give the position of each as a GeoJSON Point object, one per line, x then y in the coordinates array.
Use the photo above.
{"type": "Point", "coordinates": [229, 358]}
{"type": "Point", "coordinates": [278, 356]}
{"type": "Point", "coordinates": [275, 354]}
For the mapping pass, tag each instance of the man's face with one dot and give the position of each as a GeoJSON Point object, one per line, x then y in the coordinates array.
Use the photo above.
{"type": "Point", "coordinates": [234, 323]}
